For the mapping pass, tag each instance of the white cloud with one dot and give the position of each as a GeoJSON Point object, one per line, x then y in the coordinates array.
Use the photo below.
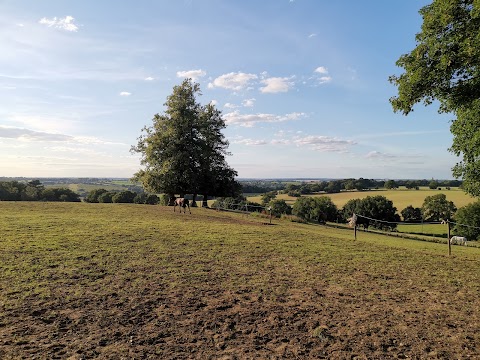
{"type": "Point", "coordinates": [250, 142]}
{"type": "Point", "coordinates": [230, 106]}
{"type": "Point", "coordinates": [276, 85]}
{"type": "Point", "coordinates": [214, 102]}
{"type": "Point", "coordinates": [379, 155]}
{"type": "Point", "coordinates": [125, 93]}
{"type": "Point", "coordinates": [249, 120]}
{"type": "Point", "coordinates": [65, 23]}
{"type": "Point", "coordinates": [233, 81]}
{"type": "Point", "coordinates": [321, 70]}
{"type": "Point", "coordinates": [28, 135]}
{"type": "Point", "coordinates": [312, 35]}
{"type": "Point", "coordinates": [193, 74]}
{"type": "Point", "coordinates": [149, 78]}
{"type": "Point", "coordinates": [324, 79]}
{"type": "Point", "coordinates": [324, 143]}
{"type": "Point", "coordinates": [248, 102]}
{"type": "Point", "coordinates": [324, 76]}
{"type": "Point", "coordinates": [31, 135]}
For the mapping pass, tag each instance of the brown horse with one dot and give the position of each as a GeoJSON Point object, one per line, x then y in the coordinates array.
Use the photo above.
{"type": "Point", "coordinates": [181, 202]}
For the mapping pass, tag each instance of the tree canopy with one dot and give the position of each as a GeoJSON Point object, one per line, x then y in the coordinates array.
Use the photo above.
{"type": "Point", "coordinates": [184, 151]}
{"type": "Point", "coordinates": [445, 66]}
{"type": "Point", "coordinates": [438, 208]}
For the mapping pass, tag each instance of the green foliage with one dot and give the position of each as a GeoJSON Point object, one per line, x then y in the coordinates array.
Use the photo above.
{"type": "Point", "coordinates": [125, 196]}
{"type": "Point", "coordinates": [445, 66]}
{"type": "Point", "coordinates": [269, 196]}
{"type": "Point", "coordinates": [59, 194]}
{"type": "Point", "coordinates": [391, 184]}
{"type": "Point", "coordinates": [468, 215]}
{"type": "Point", "coordinates": [279, 208]}
{"type": "Point", "coordinates": [164, 200]}
{"type": "Point", "coordinates": [93, 195]}
{"type": "Point", "coordinates": [433, 184]}
{"type": "Point", "coordinates": [374, 207]}
{"type": "Point", "coordinates": [412, 214]}
{"type": "Point", "coordinates": [106, 197]}
{"type": "Point", "coordinates": [184, 151]}
{"type": "Point", "coordinates": [438, 208]}
{"type": "Point", "coordinates": [152, 199]}
{"type": "Point", "coordinates": [237, 203]}
{"type": "Point", "coordinates": [319, 209]}
{"type": "Point", "coordinates": [294, 193]}
{"type": "Point", "coordinates": [140, 198]}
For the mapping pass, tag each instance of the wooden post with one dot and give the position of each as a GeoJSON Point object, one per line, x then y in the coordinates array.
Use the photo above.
{"type": "Point", "coordinates": [448, 240]}
{"type": "Point", "coordinates": [270, 208]}
{"type": "Point", "coordinates": [355, 231]}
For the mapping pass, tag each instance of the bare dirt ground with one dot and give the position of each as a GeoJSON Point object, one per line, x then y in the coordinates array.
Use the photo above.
{"type": "Point", "coordinates": [211, 323]}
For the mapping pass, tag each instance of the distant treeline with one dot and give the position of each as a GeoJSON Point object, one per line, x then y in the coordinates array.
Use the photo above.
{"type": "Point", "coordinates": [34, 191]}
{"type": "Point", "coordinates": [334, 186]}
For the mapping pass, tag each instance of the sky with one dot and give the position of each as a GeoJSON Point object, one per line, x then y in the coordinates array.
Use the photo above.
{"type": "Point", "coordinates": [302, 85]}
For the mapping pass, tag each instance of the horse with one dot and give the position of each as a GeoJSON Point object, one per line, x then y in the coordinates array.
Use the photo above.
{"type": "Point", "coordinates": [460, 240]}
{"type": "Point", "coordinates": [181, 202]}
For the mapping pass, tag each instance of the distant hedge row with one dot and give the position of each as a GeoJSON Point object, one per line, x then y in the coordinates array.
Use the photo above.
{"type": "Point", "coordinates": [126, 196]}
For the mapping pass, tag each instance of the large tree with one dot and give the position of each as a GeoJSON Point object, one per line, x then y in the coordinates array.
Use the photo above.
{"type": "Point", "coordinates": [184, 151]}
{"type": "Point", "coordinates": [445, 66]}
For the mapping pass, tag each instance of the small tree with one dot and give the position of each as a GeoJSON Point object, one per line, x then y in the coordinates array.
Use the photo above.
{"type": "Point", "coordinates": [140, 198]}
{"type": "Point", "coordinates": [106, 197]}
{"type": "Point", "coordinates": [437, 208]}
{"type": "Point", "coordinates": [93, 195]}
{"type": "Point", "coordinates": [279, 207]}
{"type": "Point", "coordinates": [268, 197]}
{"type": "Point", "coordinates": [125, 196]}
{"type": "Point", "coordinates": [433, 184]}
{"type": "Point", "coordinates": [412, 214]}
{"type": "Point", "coordinates": [468, 215]}
{"type": "Point", "coordinates": [320, 209]}
{"type": "Point", "coordinates": [391, 184]}
{"type": "Point", "coordinates": [152, 199]}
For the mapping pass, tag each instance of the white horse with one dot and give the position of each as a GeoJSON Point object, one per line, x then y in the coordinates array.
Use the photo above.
{"type": "Point", "coordinates": [460, 240]}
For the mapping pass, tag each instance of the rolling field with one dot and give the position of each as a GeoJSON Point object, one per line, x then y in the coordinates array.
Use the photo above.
{"type": "Point", "coordinates": [112, 281]}
{"type": "Point", "coordinates": [401, 197]}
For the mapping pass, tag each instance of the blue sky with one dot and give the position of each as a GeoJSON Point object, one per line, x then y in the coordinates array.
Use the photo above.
{"type": "Point", "coordinates": [303, 85]}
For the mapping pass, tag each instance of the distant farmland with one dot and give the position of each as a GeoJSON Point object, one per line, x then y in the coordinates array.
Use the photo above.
{"type": "Point", "coordinates": [401, 197]}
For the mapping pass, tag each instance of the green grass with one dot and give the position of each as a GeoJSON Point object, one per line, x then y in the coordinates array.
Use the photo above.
{"type": "Point", "coordinates": [53, 256]}
{"type": "Point", "coordinates": [433, 229]}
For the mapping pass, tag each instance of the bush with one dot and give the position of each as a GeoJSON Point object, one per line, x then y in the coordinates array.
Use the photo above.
{"type": "Point", "coordinates": [152, 199]}
{"type": "Point", "coordinates": [125, 196]}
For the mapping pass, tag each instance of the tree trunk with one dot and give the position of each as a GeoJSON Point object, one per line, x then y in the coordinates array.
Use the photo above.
{"type": "Point", "coordinates": [205, 201]}
{"type": "Point", "coordinates": [171, 199]}
{"type": "Point", "coordinates": [194, 201]}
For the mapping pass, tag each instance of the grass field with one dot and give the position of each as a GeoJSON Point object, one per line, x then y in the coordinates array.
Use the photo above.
{"type": "Point", "coordinates": [401, 197]}
{"type": "Point", "coordinates": [114, 281]}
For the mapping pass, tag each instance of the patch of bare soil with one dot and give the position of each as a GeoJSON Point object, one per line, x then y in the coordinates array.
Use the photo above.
{"type": "Point", "coordinates": [164, 322]}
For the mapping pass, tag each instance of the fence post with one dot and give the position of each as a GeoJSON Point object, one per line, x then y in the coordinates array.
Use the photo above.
{"type": "Point", "coordinates": [448, 239]}
{"type": "Point", "coordinates": [355, 231]}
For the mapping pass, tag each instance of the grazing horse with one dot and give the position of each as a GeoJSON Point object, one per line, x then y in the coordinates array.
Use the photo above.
{"type": "Point", "coordinates": [460, 240]}
{"type": "Point", "coordinates": [181, 202]}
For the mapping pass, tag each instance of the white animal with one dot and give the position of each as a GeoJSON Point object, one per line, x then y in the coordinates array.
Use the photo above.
{"type": "Point", "coordinates": [460, 240]}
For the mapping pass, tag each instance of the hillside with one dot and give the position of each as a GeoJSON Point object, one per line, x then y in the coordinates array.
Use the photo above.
{"type": "Point", "coordinates": [135, 281]}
